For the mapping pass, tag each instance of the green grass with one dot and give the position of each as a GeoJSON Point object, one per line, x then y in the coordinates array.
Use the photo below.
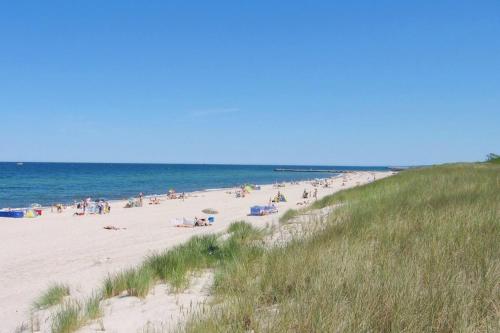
{"type": "Point", "coordinates": [72, 314]}
{"type": "Point", "coordinates": [417, 252]}
{"type": "Point", "coordinates": [67, 319]}
{"type": "Point", "coordinates": [244, 234]}
{"type": "Point", "coordinates": [289, 215]}
{"type": "Point", "coordinates": [136, 281]}
{"type": "Point", "coordinates": [52, 296]}
{"type": "Point", "coordinates": [93, 307]}
{"type": "Point", "coordinates": [172, 266]}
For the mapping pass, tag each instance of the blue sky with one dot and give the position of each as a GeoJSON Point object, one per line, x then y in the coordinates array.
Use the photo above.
{"type": "Point", "coordinates": [316, 82]}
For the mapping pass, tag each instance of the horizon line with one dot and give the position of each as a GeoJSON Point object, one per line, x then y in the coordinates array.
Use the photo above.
{"type": "Point", "coordinates": [199, 163]}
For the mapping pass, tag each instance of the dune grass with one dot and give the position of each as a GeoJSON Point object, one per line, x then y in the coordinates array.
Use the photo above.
{"type": "Point", "coordinates": [172, 266]}
{"type": "Point", "coordinates": [136, 281]}
{"type": "Point", "coordinates": [417, 252]}
{"type": "Point", "coordinates": [68, 318]}
{"type": "Point", "coordinates": [289, 215]}
{"type": "Point", "coordinates": [52, 296]}
{"type": "Point", "coordinates": [93, 308]}
{"type": "Point", "coordinates": [72, 314]}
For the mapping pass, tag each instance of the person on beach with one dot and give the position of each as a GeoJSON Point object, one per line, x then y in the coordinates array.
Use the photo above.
{"type": "Point", "coordinates": [141, 196]}
{"type": "Point", "coordinates": [200, 222]}
{"type": "Point", "coordinates": [59, 208]}
{"type": "Point", "coordinates": [315, 195]}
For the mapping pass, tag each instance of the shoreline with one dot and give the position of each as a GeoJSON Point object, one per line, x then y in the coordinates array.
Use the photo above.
{"type": "Point", "coordinates": [163, 195]}
{"type": "Point", "coordinates": [77, 250]}
{"type": "Point", "coordinates": [47, 184]}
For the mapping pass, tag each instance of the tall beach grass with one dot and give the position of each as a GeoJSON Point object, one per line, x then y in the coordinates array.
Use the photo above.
{"type": "Point", "coordinates": [417, 252]}
{"type": "Point", "coordinates": [172, 266]}
{"type": "Point", "coordinates": [52, 296]}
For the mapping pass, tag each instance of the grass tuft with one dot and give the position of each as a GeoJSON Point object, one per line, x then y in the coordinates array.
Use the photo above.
{"type": "Point", "coordinates": [136, 282]}
{"type": "Point", "coordinates": [289, 215]}
{"type": "Point", "coordinates": [52, 296]}
{"type": "Point", "coordinates": [67, 319]}
{"type": "Point", "coordinates": [93, 307]}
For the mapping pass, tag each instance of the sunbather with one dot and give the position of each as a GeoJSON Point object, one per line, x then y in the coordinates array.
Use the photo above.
{"type": "Point", "coordinates": [154, 201]}
{"type": "Point", "coordinates": [197, 222]}
{"type": "Point", "coordinates": [200, 222]}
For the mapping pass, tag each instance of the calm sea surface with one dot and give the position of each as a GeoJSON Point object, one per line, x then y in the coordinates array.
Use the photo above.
{"type": "Point", "coordinates": [49, 183]}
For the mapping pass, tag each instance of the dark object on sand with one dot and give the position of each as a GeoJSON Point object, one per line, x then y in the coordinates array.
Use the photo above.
{"type": "Point", "coordinates": [112, 227]}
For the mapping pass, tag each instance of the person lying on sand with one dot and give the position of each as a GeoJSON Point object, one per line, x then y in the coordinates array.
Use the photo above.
{"type": "Point", "coordinates": [200, 222]}
{"type": "Point", "coordinates": [197, 222]}
{"type": "Point", "coordinates": [154, 201]}
{"type": "Point", "coordinates": [112, 227]}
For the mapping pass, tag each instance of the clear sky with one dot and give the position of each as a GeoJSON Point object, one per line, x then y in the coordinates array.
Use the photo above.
{"type": "Point", "coordinates": [309, 82]}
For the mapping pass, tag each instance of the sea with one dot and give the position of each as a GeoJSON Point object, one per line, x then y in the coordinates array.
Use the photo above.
{"type": "Point", "coordinates": [24, 184]}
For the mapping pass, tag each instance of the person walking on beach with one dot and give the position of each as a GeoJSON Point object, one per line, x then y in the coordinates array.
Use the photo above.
{"type": "Point", "coordinates": [315, 194]}
{"type": "Point", "coordinates": [84, 206]}
{"type": "Point", "coordinates": [141, 196]}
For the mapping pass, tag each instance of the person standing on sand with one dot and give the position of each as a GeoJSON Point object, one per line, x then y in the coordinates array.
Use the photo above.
{"type": "Point", "coordinates": [315, 194]}
{"type": "Point", "coordinates": [141, 196]}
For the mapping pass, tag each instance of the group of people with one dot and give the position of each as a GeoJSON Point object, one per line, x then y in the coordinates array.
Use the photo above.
{"type": "Point", "coordinates": [310, 194]}
{"type": "Point", "coordinates": [88, 206]}
{"type": "Point", "coordinates": [241, 193]}
{"type": "Point", "coordinates": [139, 200]}
{"type": "Point", "coordinates": [280, 197]}
{"type": "Point", "coordinates": [321, 182]}
{"type": "Point", "coordinates": [174, 195]}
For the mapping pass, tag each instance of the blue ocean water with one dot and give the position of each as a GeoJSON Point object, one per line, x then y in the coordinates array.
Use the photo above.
{"type": "Point", "coordinates": [49, 183]}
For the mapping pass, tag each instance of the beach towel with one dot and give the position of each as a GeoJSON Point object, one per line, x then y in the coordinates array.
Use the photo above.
{"type": "Point", "coordinates": [187, 222]}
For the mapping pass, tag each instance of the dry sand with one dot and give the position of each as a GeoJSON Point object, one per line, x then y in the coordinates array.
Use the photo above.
{"type": "Point", "coordinates": [77, 250]}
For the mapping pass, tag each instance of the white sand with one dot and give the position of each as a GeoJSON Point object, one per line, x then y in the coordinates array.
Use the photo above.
{"type": "Point", "coordinates": [160, 311]}
{"type": "Point", "coordinates": [77, 250]}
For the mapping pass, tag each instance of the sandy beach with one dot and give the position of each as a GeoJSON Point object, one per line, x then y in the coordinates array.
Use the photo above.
{"type": "Point", "coordinates": [77, 250]}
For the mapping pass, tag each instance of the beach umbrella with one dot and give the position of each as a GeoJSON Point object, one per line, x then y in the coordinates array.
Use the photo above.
{"type": "Point", "coordinates": [210, 211]}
